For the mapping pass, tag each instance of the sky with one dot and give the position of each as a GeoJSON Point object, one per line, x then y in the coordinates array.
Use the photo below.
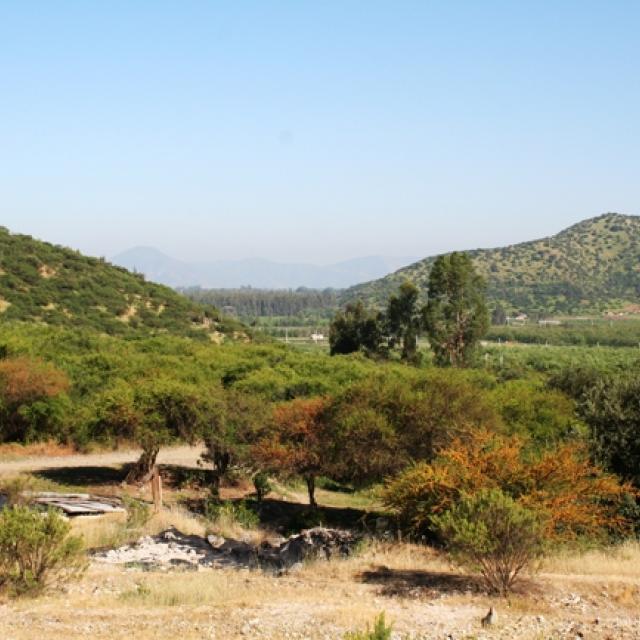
{"type": "Point", "coordinates": [315, 131]}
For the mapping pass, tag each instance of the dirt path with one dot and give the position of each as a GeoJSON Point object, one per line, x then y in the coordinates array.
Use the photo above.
{"type": "Point", "coordinates": [184, 456]}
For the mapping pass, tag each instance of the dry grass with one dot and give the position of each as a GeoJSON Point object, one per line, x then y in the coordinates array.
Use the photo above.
{"type": "Point", "coordinates": [336, 582]}
{"type": "Point", "coordinates": [620, 561]}
{"type": "Point", "coordinates": [13, 450]}
{"type": "Point", "coordinates": [112, 530]}
{"type": "Point", "coordinates": [218, 588]}
{"type": "Point", "coordinates": [320, 601]}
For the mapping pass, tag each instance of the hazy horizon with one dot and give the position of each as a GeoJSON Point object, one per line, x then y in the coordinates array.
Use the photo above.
{"type": "Point", "coordinates": [315, 133]}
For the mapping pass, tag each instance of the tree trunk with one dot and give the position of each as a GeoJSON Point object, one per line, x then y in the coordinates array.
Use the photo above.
{"type": "Point", "coordinates": [143, 469]}
{"type": "Point", "coordinates": [311, 488]}
{"type": "Point", "coordinates": [221, 460]}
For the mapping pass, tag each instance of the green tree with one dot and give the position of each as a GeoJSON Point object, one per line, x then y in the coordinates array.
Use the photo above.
{"type": "Point", "coordinates": [489, 532]}
{"type": "Point", "coordinates": [381, 424]}
{"type": "Point", "coordinates": [498, 315]}
{"type": "Point", "coordinates": [233, 420]}
{"type": "Point", "coordinates": [163, 411]}
{"type": "Point", "coordinates": [530, 409]}
{"type": "Point", "coordinates": [456, 313]}
{"type": "Point", "coordinates": [404, 320]}
{"type": "Point", "coordinates": [611, 408]}
{"type": "Point", "coordinates": [355, 329]}
{"type": "Point", "coordinates": [363, 447]}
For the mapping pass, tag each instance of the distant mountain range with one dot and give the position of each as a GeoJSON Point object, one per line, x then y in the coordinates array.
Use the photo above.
{"type": "Point", "coordinates": [591, 266]}
{"type": "Point", "coordinates": [256, 272]}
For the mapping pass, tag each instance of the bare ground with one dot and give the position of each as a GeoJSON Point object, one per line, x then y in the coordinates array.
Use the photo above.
{"type": "Point", "coordinates": [180, 456]}
{"type": "Point", "coordinates": [323, 601]}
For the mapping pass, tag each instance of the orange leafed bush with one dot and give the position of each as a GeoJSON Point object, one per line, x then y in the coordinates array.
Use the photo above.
{"type": "Point", "coordinates": [572, 495]}
{"type": "Point", "coordinates": [297, 441]}
{"type": "Point", "coordinates": [29, 389]}
{"type": "Point", "coordinates": [24, 380]}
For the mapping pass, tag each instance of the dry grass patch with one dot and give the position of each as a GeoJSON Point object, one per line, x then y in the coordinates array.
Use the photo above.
{"type": "Point", "coordinates": [13, 450]}
{"type": "Point", "coordinates": [322, 600]}
{"type": "Point", "coordinates": [212, 588]}
{"type": "Point", "coordinates": [111, 530]}
{"type": "Point", "coordinates": [619, 561]}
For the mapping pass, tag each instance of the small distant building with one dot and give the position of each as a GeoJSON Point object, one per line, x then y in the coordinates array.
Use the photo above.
{"type": "Point", "coordinates": [317, 337]}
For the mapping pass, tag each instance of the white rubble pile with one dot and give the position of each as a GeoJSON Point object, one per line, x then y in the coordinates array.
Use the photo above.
{"type": "Point", "coordinates": [172, 549]}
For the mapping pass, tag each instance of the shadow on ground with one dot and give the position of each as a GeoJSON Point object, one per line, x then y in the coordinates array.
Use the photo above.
{"type": "Point", "coordinates": [279, 516]}
{"type": "Point", "coordinates": [402, 583]}
{"type": "Point", "coordinates": [292, 517]}
{"type": "Point", "coordinates": [84, 476]}
{"type": "Point", "coordinates": [175, 477]}
{"type": "Point", "coordinates": [287, 518]}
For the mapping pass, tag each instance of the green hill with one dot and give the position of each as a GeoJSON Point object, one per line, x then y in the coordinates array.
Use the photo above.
{"type": "Point", "coordinates": [41, 282]}
{"type": "Point", "coordinates": [591, 266]}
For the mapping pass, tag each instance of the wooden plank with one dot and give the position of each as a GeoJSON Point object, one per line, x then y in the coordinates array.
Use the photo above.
{"type": "Point", "coordinates": [78, 503]}
{"type": "Point", "coordinates": [53, 494]}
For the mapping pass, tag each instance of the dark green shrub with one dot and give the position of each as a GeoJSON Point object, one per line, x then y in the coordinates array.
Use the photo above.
{"type": "Point", "coordinates": [36, 551]}
{"type": "Point", "coordinates": [492, 534]}
{"type": "Point", "coordinates": [227, 513]}
{"type": "Point", "coordinates": [307, 519]}
{"type": "Point", "coordinates": [262, 485]}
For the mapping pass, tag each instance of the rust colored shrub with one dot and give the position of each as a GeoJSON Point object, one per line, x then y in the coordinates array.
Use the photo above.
{"type": "Point", "coordinates": [573, 496]}
{"type": "Point", "coordinates": [297, 441]}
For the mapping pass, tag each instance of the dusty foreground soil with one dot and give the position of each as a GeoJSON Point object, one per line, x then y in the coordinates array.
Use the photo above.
{"type": "Point", "coordinates": [184, 456]}
{"type": "Point", "coordinates": [322, 601]}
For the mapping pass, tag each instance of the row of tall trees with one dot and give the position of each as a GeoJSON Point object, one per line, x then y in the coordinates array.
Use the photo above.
{"type": "Point", "coordinates": [454, 317]}
{"type": "Point", "coordinates": [256, 303]}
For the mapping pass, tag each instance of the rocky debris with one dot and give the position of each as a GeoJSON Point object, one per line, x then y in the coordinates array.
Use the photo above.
{"type": "Point", "coordinates": [173, 549]}
{"type": "Point", "coordinates": [312, 544]}
{"type": "Point", "coordinates": [168, 549]}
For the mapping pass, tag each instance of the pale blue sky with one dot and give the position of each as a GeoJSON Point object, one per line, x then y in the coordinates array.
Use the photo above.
{"type": "Point", "coordinates": [315, 131]}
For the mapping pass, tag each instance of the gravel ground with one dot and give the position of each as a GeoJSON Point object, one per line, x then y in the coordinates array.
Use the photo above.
{"type": "Point", "coordinates": [304, 605]}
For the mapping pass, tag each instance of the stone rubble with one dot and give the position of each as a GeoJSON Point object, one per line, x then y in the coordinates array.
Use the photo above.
{"type": "Point", "coordinates": [173, 549]}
